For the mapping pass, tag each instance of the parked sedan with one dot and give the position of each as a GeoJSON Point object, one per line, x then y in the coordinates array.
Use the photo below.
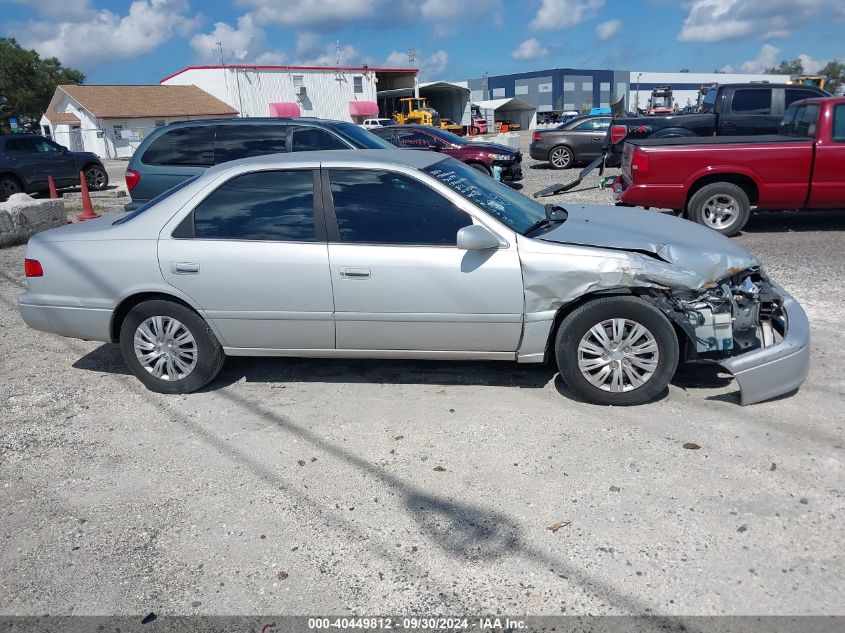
{"type": "Point", "coordinates": [485, 157]}
{"type": "Point", "coordinates": [27, 160]}
{"type": "Point", "coordinates": [578, 140]}
{"type": "Point", "coordinates": [388, 254]}
{"type": "Point", "coordinates": [368, 124]}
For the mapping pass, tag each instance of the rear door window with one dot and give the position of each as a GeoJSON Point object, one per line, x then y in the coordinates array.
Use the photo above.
{"type": "Point", "coordinates": [414, 139]}
{"type": "Point", "coordinates": [263, 205]}
{"type": "Point", "coordinates": [796, 94]}
{"type": "Point", "coordinates": [19, 146]}
{"type": "Point", "coordinates": [593, 124]}
{"type": "Point", "coordinates": [839, 123]}
{"type": "Point", "coordinates": [189, 146]}
{"type": "Point", "coordinates": [242, 141]}
{"type": "Point", "coordinates": [753, 100]}
{"type": "Point", "coordinates": [803, 124]}
{"type": "Point", "coordinates": [309, 139]}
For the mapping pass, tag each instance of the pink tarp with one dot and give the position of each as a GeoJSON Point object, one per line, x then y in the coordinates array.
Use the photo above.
{"type": "Point", "coordinates": [284, 109]}
{"type": "Point", "coordinates": [363, 108]}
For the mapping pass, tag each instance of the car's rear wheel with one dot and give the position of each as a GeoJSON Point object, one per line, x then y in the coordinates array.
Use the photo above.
{"type": "Point", "coordinates": [721, 206]}
{"type": "Point", "coordinates": [561, 157]}
{"type": "Point", "coordinates": [169, 347]}
{"type": "Point", "coordinates": [96, 178]}
{"type": "Point", "coordinates": [617, 351]}
{"type": "Point", "coordinates": [9, 185]}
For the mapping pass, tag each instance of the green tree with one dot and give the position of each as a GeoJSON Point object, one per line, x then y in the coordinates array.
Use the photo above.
{"type": "Point", "coordinates": [795, 67]}
{"type": "Point", "coordinates": [27, 83]}
{"type": "Point", "coordinates": [835, 73]}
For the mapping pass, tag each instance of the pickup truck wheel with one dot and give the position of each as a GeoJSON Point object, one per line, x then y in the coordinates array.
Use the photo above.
{"type": "Point", "coordinates": [169, 347]}
{"type": "Point", "coordinates": [9, 185]}
{"type": "Point", "coordinates": [721, 206]}
{"type": "Point", "coordinates": [617, 351]}
{"type": "Point", "coordinates": [560, 157]}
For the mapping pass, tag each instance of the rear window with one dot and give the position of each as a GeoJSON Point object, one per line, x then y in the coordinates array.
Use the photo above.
{"type": "Point", "coordinates": [189, 146]}
{"type": "Point", "coordinates": [753, 101]}
{"type": "Point", "coordinates": [151, 203]}
{"type": "Point", "coordinates": [309, 139]}
{"type": "Point", "coordinates": [242, 141]}
{"type": "Point", "coordinates": [796, 94]}
{"type": "Point", "coordinates": [708, 104]}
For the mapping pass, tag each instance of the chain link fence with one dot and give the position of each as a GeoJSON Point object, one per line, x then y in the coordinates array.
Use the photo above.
{"type": "Point", "coordinates": [113, 141]}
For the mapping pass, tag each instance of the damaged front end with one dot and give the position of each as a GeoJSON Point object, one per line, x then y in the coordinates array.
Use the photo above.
{"type": "Point", "coordinates": [746, 324]}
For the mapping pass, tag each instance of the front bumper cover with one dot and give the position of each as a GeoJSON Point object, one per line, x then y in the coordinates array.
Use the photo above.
{"type": "Point", "coordinates": [779, 369]}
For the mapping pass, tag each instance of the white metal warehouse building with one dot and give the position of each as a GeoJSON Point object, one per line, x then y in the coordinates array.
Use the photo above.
{"type": "Point", "coordinates": [340, 93]}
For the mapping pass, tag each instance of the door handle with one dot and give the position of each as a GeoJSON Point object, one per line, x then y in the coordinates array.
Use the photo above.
{"type": "Point", "coordinates": [598, 138]}
{"type": "Point", "coordinates": [185, 268]}
{"type": "Point", "coordinates": [355, 273]}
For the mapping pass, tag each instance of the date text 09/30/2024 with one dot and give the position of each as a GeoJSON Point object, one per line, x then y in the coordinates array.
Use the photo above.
{"type": "Point", "coordinates": [417, 623]}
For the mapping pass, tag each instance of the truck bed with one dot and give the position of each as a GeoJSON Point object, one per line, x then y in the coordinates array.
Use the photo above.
{"type": "Point", "coordinates": [717, 140]}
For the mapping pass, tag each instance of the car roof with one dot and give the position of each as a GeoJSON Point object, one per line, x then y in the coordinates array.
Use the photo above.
{"type": "Point", "coordinates": [255, 121]}
{"type": "Point", "coordinates": [369, 158]}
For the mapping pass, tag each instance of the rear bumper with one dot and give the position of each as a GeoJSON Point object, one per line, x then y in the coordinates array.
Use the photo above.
{"type": "Point", "coordinates": [773, 371]}
{"type": "Point", "coordinates": [648, 195]}
{"type": "Point", "coordinates": [538, 152]}
{"type": "Point", "coordinates": [86, 323]}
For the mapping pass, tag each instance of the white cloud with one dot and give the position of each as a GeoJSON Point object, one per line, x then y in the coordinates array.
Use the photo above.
{"type": "Point", "coordinates": [608, 30]}
{"type": "Point", "coordinates": [313, 12]}
{"type": "Point", "coordinates": [85, 36]}
{"type": "Point", "coordinates": [563, 14]}
{"type": "Point", "coordinates": [430, 66]}
{"type": "Point", "coordinates": [347, 55]}
{"type": "Point", "coordinates": [529, 49]}
{"type": "Point", "coordinates": [811, 66]}
{"type": "Point", "coordinates": [397, 59]}
{"type": "Point", "coordinates": [718, 20]}
{"type": "Point", "coordinates": [767, 58]}
{"type": "Point", "coordinates": [307, 43]}
{"type": "Point", "coordinates": [244, 43]}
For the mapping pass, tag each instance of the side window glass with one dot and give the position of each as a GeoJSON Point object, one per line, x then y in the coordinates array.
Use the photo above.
{"type": "Point", "coordinates": [412, 139]}
{"type": "Point", "coordinates": [839, 123]}
{"type": "Point", "coordinates": [753, 101]}
{"type": "Point", "coordinates": [43, 146]}
{"type": "Point", "coordinates": [308, 139]}
{"type": "Point", "coordinates": [796, 94]}
{"type": "Point", "coordinates": [381, 207]}
{"type": "Point", "coordinates": [189, 146]}
{"type": "Point", "coordinates": [19, 146]}
{"type": "Point", "coordinates": [805, 121]}
{"type": "Point", "coordinates": [242, 141]}
{"type": "Point", "coordinates": [264, 205]}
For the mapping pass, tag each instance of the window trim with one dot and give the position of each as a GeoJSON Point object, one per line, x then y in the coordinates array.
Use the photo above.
{"type": "Point", "coordinates": [333, 230]}
{"type": "Point", "coordinates": [317, 205]}
{"type": "Point", "coordinates": [837, 108]}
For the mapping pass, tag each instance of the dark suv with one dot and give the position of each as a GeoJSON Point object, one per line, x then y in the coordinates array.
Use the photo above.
{"type": "Point", "coordinates": [26, 160]}
{"type": "Point", "coordinates": [176, 152]}
{"type": "Point", "coordinates": [482, 156]}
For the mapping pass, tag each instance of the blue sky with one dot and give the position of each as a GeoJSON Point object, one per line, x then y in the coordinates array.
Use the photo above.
{"type": "Point", "coordinates": [142, 41]}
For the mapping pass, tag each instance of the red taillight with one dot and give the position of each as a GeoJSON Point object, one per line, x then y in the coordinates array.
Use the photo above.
{"type": "Point", "coordinates": [32, 268]}
{"type": "Point", "coordinates": [132, 179]}
{"type": "Point", "coordinates": [536, 136]}
{"type": "Point", "coordinates": [639, 162]}
{"type": "Point", "coordinates": [617, 133]}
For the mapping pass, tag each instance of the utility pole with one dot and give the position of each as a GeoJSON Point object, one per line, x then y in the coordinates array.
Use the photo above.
{"type": "Point", "coordinates": [412, 56]}
{"type": "Point", "coordinates": [337, 52]}
{"type": "Point", "coordinates": [637, 108]}
{"type": "Point", "coordinates": [223, 65]}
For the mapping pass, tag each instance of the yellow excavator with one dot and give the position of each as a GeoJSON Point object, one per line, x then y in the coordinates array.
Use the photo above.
{"type": "Point", "coordinates": [819, 81]}
{"type": "Point", "coordinates": [416, 110]}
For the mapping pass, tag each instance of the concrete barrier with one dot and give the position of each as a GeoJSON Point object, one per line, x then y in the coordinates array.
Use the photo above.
{"type": "Point", "coordinates": [22, 216]}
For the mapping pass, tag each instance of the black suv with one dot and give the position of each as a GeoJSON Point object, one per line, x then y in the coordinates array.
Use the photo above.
{"type": "Point", "coordinates": [26, 160]}
{"type": "Point", "coordinates": [176, 152]}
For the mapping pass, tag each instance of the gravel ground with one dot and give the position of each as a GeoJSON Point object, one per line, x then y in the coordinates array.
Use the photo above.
{"type": "Point", "coordinates": [311, 486]}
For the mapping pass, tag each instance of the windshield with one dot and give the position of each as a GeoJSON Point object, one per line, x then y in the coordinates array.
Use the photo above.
{"type": "Point", "coordinates": [151, 203]}
{"type": "Point", "coordinates": [361, 138]}
{"type": "Point", "coordinates": [454, 139]}
{"type": "Point", "coordinates": [509, 207]}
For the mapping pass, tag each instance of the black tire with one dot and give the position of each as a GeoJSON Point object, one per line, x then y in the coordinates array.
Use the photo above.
{"type": "Point", "coordinates": [209, 352]}
{"type": "Point", "coordinates": [578, 324]}
{"type": "Point", "coordinates": [561, 157]}
{"type": "Point", "coordinates": [9, 185]}
{"type": "Point", "coordinates": [481, 168]}
{"type": "Point", "coordinates": [706, 205]}
{"type": "Point", "coordinates": [96, 177]}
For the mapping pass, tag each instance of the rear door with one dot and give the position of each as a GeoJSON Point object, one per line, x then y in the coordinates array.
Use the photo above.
{"type": "Point", "coordinates": [233, 142]}
{"type": "Point", "coordinates": [53, 160]}
{"type": "Point", "coordinates": [828, 187]}
{"type": "Point", "coordinates": [22, 157]}
{"type": "Point", "coordinates": [252, 255]}
{"type": "Point", "coordinates": [586, 139]}
{"type": "Point", "coordinates": [173, 157]}
{"type": "Point", "coordinates": [751, 111]}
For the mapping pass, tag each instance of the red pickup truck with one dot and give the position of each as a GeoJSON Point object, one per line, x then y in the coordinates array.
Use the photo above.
{"type": "Point", "coordinates": [716, 180]}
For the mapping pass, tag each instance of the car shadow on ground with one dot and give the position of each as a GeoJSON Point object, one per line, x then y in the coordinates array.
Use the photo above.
{"type": "Point", "coordinates": [795, 221]}
{"type": "Point", "coordinates": [107, 359]}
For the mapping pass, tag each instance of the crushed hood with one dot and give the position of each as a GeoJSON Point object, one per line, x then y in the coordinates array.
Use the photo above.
{"type": "Point", "coordinates": [684, 253]}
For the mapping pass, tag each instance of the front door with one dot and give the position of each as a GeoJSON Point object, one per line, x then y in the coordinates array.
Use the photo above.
{"type": "Point", "coordinates": [589, 137]}
{"type": "Point", "coordinates": [400, 282]}
{"type": "Point", "coordinates": [252, 255]}
{"type": "Point", "coordinates": [827, 191]}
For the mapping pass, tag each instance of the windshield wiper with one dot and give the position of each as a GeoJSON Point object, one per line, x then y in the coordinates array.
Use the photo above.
{"type": "Point", "coordinates": [555, 214]}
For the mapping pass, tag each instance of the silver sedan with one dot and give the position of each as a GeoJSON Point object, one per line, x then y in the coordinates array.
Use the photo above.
{"type": "Point", "coordinates": [385, 254]}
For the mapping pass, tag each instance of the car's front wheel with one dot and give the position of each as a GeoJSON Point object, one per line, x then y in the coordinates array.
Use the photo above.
{"type": "Point", "coordinates": [96, 178]}
{"type": "Point", "coordinates": [169, 347]}
{"type": "Point", "coordinates": [617, 351]}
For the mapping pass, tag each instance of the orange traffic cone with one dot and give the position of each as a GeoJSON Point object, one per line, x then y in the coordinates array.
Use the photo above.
{"type": "Point", "coordinates": [52, 185]}
{"type": "Point", "coordinates": [87, 207]}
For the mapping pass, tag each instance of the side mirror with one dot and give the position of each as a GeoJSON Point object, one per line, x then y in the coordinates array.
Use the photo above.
{"type": "Point", "coordinates": [476, 238]}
